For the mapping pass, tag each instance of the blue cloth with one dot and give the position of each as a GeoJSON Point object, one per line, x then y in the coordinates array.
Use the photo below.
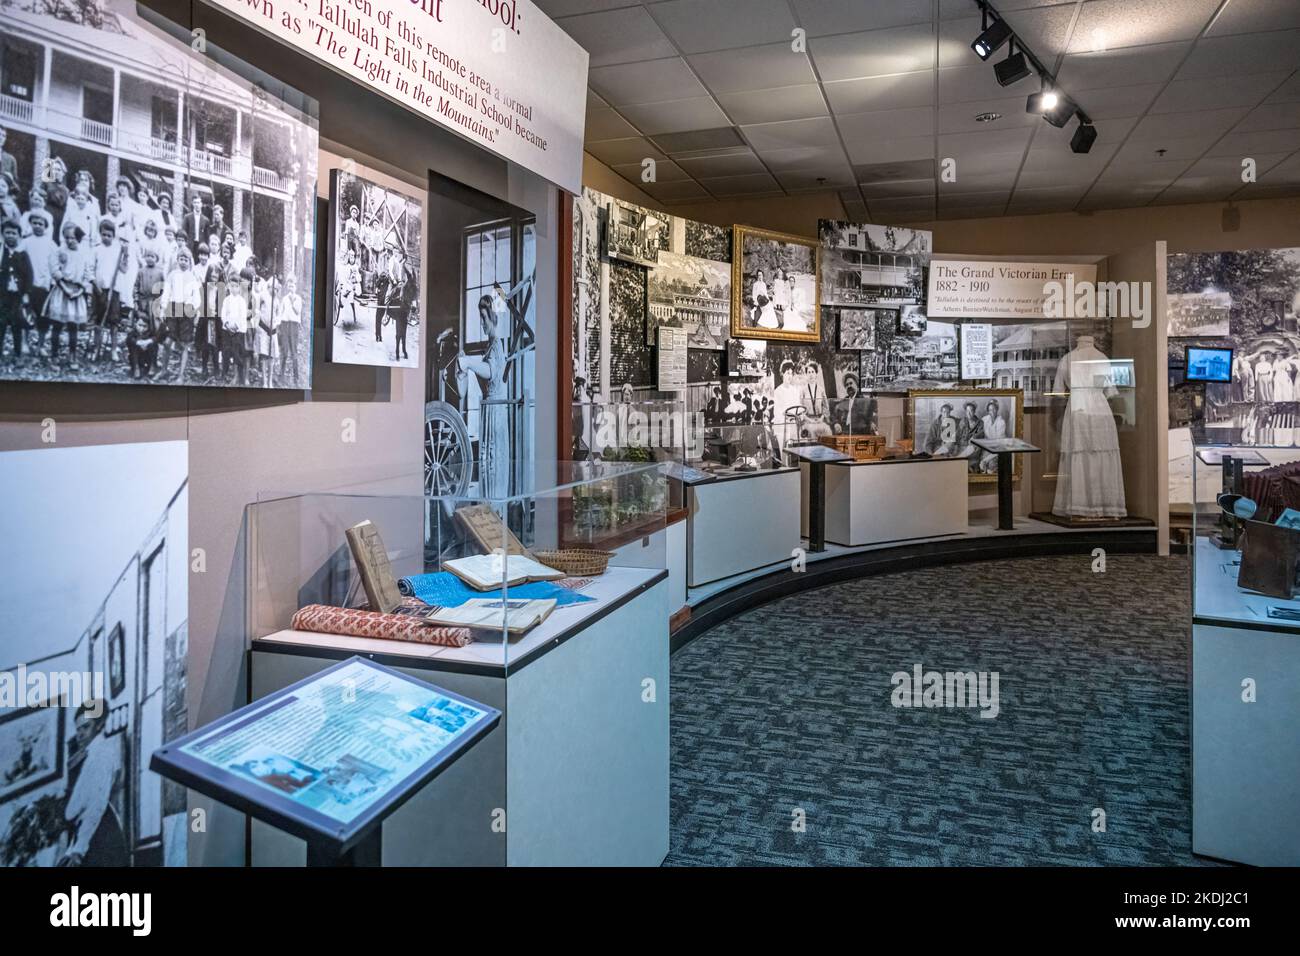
{"type": "Point", "coordinates": [447, 590]}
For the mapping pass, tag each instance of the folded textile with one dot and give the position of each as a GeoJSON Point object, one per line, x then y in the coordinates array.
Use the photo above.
{"type": "Point", "coordinates": [356, 622]}
{"type": "Point", "coordinates": [445, 589]}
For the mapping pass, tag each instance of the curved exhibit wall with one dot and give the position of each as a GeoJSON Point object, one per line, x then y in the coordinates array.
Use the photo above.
{"type": "Point", "coordinates": [358, 425]}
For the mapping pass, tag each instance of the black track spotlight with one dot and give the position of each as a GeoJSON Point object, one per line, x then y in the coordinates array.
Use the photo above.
{"type": "Point", "coordinates": [1013, 69]}
{"type": "Point", "coordinates": [1083, 137]}
{"type": "Point", "coordinates": [1042, 101]}
{"type": "Point", "coordinates": [993, 36]}
{"type": "Point", "coordinates": [1060, 113]}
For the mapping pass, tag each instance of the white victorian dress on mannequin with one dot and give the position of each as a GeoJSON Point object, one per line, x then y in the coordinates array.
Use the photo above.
{"type": "Point", "coordinates": [1090, 477]}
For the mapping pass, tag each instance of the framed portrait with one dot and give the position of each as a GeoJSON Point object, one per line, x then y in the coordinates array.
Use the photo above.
{"type": "Point", "coordinates": [775, 286]}
{"type": "Point", "coordinates": [31, 749]}
{"type": "Point", "coordinates": [943, 422]}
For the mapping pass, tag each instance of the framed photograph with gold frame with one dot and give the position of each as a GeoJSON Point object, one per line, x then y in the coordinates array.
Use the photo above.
{"type": "Point", "coordinates": [775, 286]}
{"type": "Point", "coordinates": [942, 423]}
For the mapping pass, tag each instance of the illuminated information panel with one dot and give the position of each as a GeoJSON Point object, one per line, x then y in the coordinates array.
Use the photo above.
{"type": "Point", "coordinates": [329, 757]}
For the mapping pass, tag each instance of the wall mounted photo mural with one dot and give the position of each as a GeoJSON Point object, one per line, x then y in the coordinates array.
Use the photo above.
{"type": "Point", "coordinates": [157, 206]}
{"type": "Point", "coordinates": [868, 265]}
{"type": "Point", "coordinates": [93, 665]}
{"type": "Point", "coordinates": [373, 272]}
{"type": "Point", "coordinates": [481, 371]}
{"type": "Point", "coordinates": [690, 293]}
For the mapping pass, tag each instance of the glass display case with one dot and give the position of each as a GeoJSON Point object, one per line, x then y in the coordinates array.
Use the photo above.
{"type": "Point", "coordinates": [595, 520]}
{"type": "Point", "coordinates": [1245, 555]}
{"type": "Point", "coordinates": [638, 432]}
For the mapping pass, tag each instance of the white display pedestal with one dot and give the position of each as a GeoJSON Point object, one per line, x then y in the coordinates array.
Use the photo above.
{"type": "Point", "coordinates": [874, 502]}
{"type": "Point", "coordinates": [1245, 756]}
{"type": "Point", "coordinates": [578, 769]}
{"type": "Point", "coordinates": [741, 523]}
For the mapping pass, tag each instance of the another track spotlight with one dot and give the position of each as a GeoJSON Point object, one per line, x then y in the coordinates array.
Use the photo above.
{"type": "Point", "coordinates": [1013, 69]}
{"type": "Point", "coordinates": [1060, 113]}
{"type": "Point", "coordinates": [1083, 137]}
{"type": "Point", "coordinates": [993, 36]}
{"type": "Point", "coordinates": [1042, 101]}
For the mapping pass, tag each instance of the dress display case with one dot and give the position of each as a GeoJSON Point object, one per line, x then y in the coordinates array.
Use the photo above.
{"type": "Point", "coordinates": [1246, 655]}
{"type": "Point", "coordinates": [584, 693]}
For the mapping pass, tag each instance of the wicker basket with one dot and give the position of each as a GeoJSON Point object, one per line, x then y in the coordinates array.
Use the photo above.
{"type": "Point", "coordinates": [576, 562]}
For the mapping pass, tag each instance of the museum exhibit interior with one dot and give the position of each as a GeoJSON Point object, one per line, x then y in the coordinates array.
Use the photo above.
{"type": "Point", "coordinates": [639, 433]}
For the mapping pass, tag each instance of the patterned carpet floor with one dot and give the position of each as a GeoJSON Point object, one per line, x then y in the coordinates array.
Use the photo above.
{"type": "Point", "coordinates": [786, 709]}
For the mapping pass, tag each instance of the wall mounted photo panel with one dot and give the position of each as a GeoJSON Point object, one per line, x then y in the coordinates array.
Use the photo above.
{"type": "Point", "coordinates": [373, 272]}
{"type": "Point", "coordinates": [685, 292]}
{"type": "Point", "coordinates": [774, 286]}
{"type": "Point", "coordinates": [159, 205]}
{"type": "Point", "coordinates": [93, 673]}
{"type": "Point", "coordinates": [873, 265]}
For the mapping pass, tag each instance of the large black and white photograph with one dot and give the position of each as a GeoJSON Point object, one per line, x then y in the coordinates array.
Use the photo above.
{"type": "Point", "coordinates": [873, 265]}
{"type": "Point", "coordinates": [858, 328]}
{"type": "Point", "coordinates": [373, 272]}
{"type": "Point", "coordinates": [158, 206]}
{"type": "Point", "coordinates": [774, 286]}
{"type": "Point", "coordinates": [684, 292]}
{"type": "Point", "coordinates": [634, 234]}
{"type": "Point", "coordinates": [1027, 355]}
{"type": "Point", "coordinates": [93, 664]}
{"type": "Point", "coordinates": [481, 370]}
{"type": "Point", "coordinates": [945, 424]}
{"type": "Point", "coordinates": [1199, 313]}
{"type": "Point", "coordinates": [903, 362]}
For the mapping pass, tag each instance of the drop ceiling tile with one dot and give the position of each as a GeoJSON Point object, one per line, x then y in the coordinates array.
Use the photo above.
{"type": "Point", "coordinates": [737, 164]}
{"type": "Point", "coordinates": [974, 84]}
{"type": "Point", "coordinates": [1175, 147]}
{"type": "Point", "coordinates": [1210, 125]}
{"type": "Point", "coordinates": [1256, 16]}
{"type": "Point", "coordinates": [617, 152]}
{"type": "Point", "coordinates": [1252, 144]}
{"type": "Point", "coordinates": [801, 158]}
{"type": "Point", "coordinates": [726, 186]}
{"type": "Point", "coordinates": [855, 211]}
{"type": "Point", "coordinates": [1192, 191]}
{"type": "Point", "coordinates": [966, 183]}
{"type": "Point", "coordinates": [606, 123]}
{"type": "Point", "coordinates": [1160, 173]}
{"type": "Point", "coordinates": [1270, 116]}
{"type": "Point", "coordinates": [666, 171]}
{"type": "Point", "coordinates": [949, 9]}
{"type": "Point", "coordinates": [894, 171]}
{"type": "Point", "coordinates": [1044, 30]}
{"type": "Point", "coordinates": [961, 145]}
{"type": "Point", "coordinates": [819, 131]}
{"type": "Point", "coordinates": [701, 25]}
{"type": "Point", "coordinates": [985, 163]}
{"type": "Point", "coordinates": [823, 17]}
{"type": "Point", "coordinates": [960, 117]}
{"type": "Point", "coordinates": [594, 102]}
{"type": "Point", "coordinates": [849, 56]}
{"type": "Point", "coordinates": [1126, 67]}
{"type": "Point", "coordinates": [1287, 171]}
{"type": "Point", "coordinates": [624, 35]}
{"type": "Point", "coordinates": [757, 68]}
{"type": "Point", "coordinates": [922, 189]}
{"type": "Point", "coordinates": [1110, 24]}
{"type": "Point", "coordinates": [858, 127]}
{"type": "Point", "coordinates": [892, 150]}
{"type": "Point", "coordinates": [1265, 191]}
{"type": "Point", "coordinates": [652, 81]}
{"type": "Point", "coordinates": [1217, 92]}
{"type": "Point", "coordinates": [1069, 167]}
{"type": "Point", "coordinates": [987, 197]}
{"type": "Point", "coordinates": [702, 142]}
{"type": "Point", "coordinates": [815, 180]}
{"type": "Point", "coordinates": [1288, 92]}
{"type": "Point", "coordinates": [1227, 170]}
{"type": "Point", "coordinates": [568, 8]}
{"type": "Point", "coordinates": [675, 116]}
{"type": "Point", "coordinates": [1046, 198]}
{"type": "Point", "coordinates": [1119, 198]}
{"type": "Point", "coordinates": [901, 210]}
{"type": "Point", "coordinates": [1244, 53]}
{"type": "Point", "coordinates": [995, 211]}
{"type": "Point", "coordinates": [1081, 176]}
{"type": "Point", "coordinates": [899, 91]}
{"type": "Point", "coordinates": [1118, 102]}
{"type": "Point", "coordinates": [774, 106]}
{"type": "Point", "coordinates": [674, 191]}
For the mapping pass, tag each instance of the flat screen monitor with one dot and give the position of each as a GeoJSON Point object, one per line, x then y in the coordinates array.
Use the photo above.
{"type": "Point", "coordinates": [1208, 365]}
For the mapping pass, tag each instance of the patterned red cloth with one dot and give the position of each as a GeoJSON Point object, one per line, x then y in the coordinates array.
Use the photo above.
{"type": "Point", "coordinates": [356, 622]}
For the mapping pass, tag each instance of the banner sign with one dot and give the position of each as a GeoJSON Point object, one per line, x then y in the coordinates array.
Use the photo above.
{"type": "Point", "coordinates": [499, 73]}
{"type": "Point", "coordinates": [999, 290]}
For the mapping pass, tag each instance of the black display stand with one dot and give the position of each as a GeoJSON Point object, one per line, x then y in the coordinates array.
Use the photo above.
{"type": "Point", "coordinates": [330, 841]}
{"type": "Point", "coordinates": [816, 457]}
{"type": "Point", "coordinates": [1006, 466]}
